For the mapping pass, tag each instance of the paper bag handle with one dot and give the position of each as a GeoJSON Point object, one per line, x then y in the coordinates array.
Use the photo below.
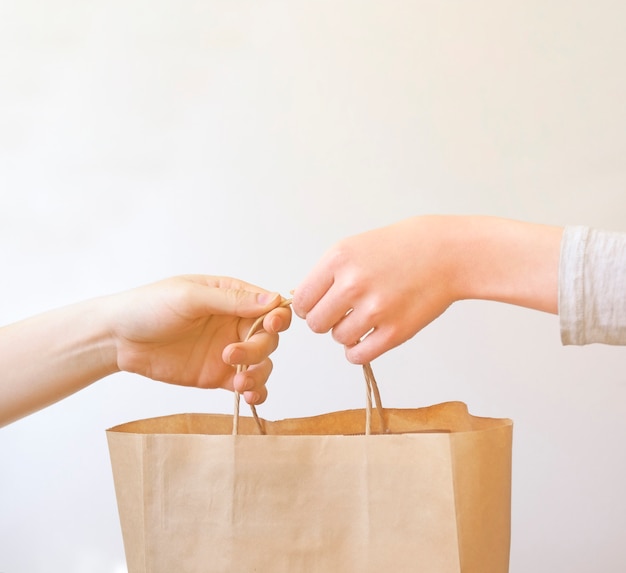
{"type": "Point", "coordinates": [371, 390]}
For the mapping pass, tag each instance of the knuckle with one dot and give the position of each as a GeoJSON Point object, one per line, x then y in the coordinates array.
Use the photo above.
{"type": "Point", "coordinates": [375, 306]}
{"type": "Point", "coordinates": [339, 254]}
{"type": "Point", "coordinates": [338, 336]}
{"type": "Point", "coordinates": [352, 285]}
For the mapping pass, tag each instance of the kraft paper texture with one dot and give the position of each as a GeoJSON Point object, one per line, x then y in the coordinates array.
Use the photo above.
{"type": "Point", "coordinates": [315, 495]}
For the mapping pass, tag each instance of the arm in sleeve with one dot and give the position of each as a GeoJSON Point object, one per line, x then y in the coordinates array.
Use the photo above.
{"type": "Point", "coordinates": [592, 287]}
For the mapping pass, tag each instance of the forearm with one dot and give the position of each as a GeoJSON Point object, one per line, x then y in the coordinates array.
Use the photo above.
{"type": "Point", "coordinates": [50, 356]}
{"type": "Point", "coordinates": [507, 261]}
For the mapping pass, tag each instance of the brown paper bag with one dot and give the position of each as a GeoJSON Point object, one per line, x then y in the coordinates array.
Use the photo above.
{"type": "Point", "coordinates": [432, 495]}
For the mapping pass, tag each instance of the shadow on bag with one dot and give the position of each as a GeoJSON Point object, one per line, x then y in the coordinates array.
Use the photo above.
{"type": "Point", "coordinates": [425, 490]}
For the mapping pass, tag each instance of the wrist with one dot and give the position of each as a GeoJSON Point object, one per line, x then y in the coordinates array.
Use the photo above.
{"type": "Point", "coordinates": [92, 343]}
{"type": "Point", "coordinates": [72, 347]}
{"type": "Point", "coordinates": [104, 344]}
{"type": "Point", "coordinates": [507, 261]}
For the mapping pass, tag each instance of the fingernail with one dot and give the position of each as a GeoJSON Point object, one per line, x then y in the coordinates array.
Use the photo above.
{"type": "Point", "coordinates": [236, 356]}
{"type": "Point", "coordinates": [274, 323]}
{"type": "Point", "coordinates": [242, 384]}
{"type": "Point", "coordinates": [266, 297]}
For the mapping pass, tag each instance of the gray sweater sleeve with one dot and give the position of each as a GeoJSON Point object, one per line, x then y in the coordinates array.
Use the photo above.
{"type": "Point", "coordinates": [592, 286]}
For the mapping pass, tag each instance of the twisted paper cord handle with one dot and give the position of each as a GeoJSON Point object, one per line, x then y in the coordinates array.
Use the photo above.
{"type": "Point", "coordinates": [243, 368]}
{"type": "Point", "coordinates": [371, 388]}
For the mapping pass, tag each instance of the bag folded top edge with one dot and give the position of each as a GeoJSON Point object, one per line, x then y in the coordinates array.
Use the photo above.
{"type": "Point", "coordinates": [447, 417]}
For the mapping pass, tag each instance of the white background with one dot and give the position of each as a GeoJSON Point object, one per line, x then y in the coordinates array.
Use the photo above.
{"type": "Point", "coordinates": [141, 139]}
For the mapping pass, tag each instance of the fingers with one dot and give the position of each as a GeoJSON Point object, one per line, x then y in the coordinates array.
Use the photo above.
{"type": "Point", "coordinates": [369, 348]}
{"type": "Point", "coordinates": [251, 382]}
{"type": "Point", "coordinates": [259, 346]}
{"type": "Point", "coordinates": [240, 302]}
{"type": "Point", "coordinates": [353, 327]}
{"type": "Point", "coordinates": [277, 320]}
{"type": "Point", "coordinates": [222, 295]}
{"type": "Point", "coordinates": [254, 352]}
{"type": "Point", "coordinates": [388, 329]}
{"type": "Point", "coordinates": [312, 289]}
{"type": "Point", "coordinates": [333, 307]}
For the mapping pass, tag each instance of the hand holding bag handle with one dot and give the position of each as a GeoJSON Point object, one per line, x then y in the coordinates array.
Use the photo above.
{"type": "Point", "coordinates": [371, 390]}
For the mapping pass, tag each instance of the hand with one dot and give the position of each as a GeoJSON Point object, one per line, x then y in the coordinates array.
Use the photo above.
{"type": "Point", "coordinates": [378, 289]}
{"type": "Point", "coordinates": [374, 291]}
{"type": "Point", "coordinates": [188, 331]}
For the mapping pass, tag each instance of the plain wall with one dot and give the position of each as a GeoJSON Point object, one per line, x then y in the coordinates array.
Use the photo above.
{"type": "Point", "coordinates": [144, 139]}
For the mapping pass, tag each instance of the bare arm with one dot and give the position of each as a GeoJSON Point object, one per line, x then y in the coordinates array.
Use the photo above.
{"type": "Point", "coordinates": [184, 330]}
{"type": "Point", "coordinates": [48, 357]}
{"type": "Point", "coordinates": [381, 287]}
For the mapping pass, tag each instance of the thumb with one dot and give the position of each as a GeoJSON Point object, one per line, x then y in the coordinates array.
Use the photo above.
{"type": "Point", "coordinates": [238, 302]}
